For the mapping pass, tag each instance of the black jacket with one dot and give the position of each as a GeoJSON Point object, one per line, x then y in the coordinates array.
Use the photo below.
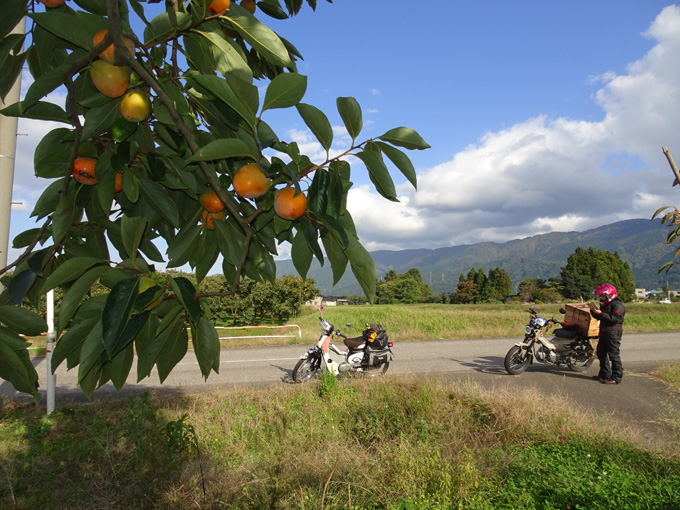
{"type": "Point", "coordinates": [611, 316]}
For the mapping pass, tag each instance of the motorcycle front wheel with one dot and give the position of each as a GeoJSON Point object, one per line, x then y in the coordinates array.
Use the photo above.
{"type": "Point", "coordinates": [579, 363]}
{"type": "Point", "coordinates": [516, 360]}
{"type": "Point", "coordinates": [305, 369]}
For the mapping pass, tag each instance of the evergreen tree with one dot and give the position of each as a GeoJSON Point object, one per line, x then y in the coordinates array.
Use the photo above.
{"type": "Point", "coordinates": [481, 282]}
{"type": "Point", "coordinates": [589, 268]}
{"type": "Point", "coordinates": [499, 284]}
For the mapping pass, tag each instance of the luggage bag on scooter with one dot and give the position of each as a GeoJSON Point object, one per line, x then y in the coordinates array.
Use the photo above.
{"type": "Point", "coordinates": [379, 357]}
{"type": "Point", "coordinates": [375, 337]}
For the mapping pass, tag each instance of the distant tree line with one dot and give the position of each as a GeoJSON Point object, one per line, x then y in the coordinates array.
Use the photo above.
{"type": "Point", "coordinates": [477, 287]}
{"type": "Point", "coordinates": [256, 302]}
{"type": "Point", "coordinates": [404, 288]}
{"type": "Point", "coordinates": [585, 270]}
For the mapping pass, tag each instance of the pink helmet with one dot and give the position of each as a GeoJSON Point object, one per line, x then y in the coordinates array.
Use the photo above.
{"type": "Point", "coordinates": [606, 291]}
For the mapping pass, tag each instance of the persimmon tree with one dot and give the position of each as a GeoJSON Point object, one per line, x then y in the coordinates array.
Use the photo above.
{"type": "Point", "coordinates": [202, 73]}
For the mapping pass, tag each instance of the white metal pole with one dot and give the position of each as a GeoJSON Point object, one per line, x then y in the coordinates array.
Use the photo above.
{"type": "Point", "coordinates": [51, 377]}
{"type": "Point", "coordinates": [8, 144]}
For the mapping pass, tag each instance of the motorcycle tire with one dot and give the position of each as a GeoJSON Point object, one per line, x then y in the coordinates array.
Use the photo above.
{"type": "Point", "coordinates": [578, 364]}
{"type": "Point", "coordinates": [374, 370]}
{"type": "Point", "coordinates": [305, 369]}
{"type": "Point", "coordinates": [516, 360]}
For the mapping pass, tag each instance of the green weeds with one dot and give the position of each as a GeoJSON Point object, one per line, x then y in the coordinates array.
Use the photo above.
{"type": "Point", "coordinates": [670, 374]}
{"type": "Point", "coordinates": [361, 444]}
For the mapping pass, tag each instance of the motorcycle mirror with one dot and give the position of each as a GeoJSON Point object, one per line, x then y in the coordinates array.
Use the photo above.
{"type": "Point", "coordinates": [563, 311]}
{"type": "Point", "coordinates": [348, 325]}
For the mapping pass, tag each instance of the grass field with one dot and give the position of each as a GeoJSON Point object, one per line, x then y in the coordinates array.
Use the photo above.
{"type": "Point", "coordinates": [392, 443]}
{"type": "Point", "coordinates": [432, 321]}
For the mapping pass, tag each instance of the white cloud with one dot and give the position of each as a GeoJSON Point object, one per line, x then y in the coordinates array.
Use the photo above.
{"type": "Point", "coordinates": [547, 174]}
{"type": "Point", "coordinates": [377, 232]}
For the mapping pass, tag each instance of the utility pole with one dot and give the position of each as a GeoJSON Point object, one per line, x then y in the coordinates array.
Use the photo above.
{"type": "Point", "coordinates": [8, 145]}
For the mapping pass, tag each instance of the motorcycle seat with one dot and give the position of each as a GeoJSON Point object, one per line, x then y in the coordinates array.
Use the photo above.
{"type": "Point", "coordinates": [565, 333]}
{"type": "Point", "coordinates": [355, 343]}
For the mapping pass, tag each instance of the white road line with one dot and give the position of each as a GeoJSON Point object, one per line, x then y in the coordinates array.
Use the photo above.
{"type": "Point", "coordinates": [256, 360]}
{"type": "Point", "coordinates": [195, 362]}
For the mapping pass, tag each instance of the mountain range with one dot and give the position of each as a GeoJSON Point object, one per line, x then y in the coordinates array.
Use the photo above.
{"type": "Point", "coordinates": [640, 242]}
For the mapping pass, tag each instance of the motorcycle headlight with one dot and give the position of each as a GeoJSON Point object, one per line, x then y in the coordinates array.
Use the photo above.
{"type": "Point", "coordinates": [540, 321]}
{"type": "Point", "coordinates": [326, 327]}
{"type": "Point", "coordinates": [527, 329]}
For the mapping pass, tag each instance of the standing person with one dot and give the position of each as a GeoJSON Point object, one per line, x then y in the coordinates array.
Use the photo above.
{"type": "Point", "coordinates": [610, 315]}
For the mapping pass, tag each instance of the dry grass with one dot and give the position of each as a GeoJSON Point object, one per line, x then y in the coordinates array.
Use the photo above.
{"type": "Point", "coordinates": [670, 374]}
{"type": "Point", "coordinates": [328, 444]}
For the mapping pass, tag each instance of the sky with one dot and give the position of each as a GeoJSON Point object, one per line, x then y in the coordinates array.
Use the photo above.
{"type": "Point", "coordinates": [541, 116]}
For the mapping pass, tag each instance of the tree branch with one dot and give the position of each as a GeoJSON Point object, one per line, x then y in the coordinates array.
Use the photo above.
{"type": "Point", "coordinates": [672, 163]}
{"type": "Point", "coordinates": [115, 31]}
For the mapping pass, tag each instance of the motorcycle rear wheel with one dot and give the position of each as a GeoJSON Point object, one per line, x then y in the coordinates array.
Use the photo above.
{"type": "Point", "coordinates": [516, 360]}
{"type": "Point", "coordinates": [578, 364]}
{"type": "Point", "coordinates": [305, 369]}
{"type": "Point", "coordinates": [374, 370]}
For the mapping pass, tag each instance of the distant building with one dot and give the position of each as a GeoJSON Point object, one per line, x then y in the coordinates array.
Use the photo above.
{"type": "Point", "coordinates": [643, 294]}
{"type": "Point", "coordinates": [327, 301]}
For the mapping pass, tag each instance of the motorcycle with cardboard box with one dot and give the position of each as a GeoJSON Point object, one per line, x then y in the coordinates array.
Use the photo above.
{"type": "Point", "coordinates": [573, 344]}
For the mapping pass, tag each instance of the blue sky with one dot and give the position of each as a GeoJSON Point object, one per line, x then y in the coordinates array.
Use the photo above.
{"type": "Point", "coordinates": [542, 116]}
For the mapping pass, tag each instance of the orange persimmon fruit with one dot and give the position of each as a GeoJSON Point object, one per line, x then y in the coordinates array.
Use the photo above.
{"type": "Point", "coordinates": [119, 182]}
{"type": "Point", "coordinates": [107, 54]}
{"type": "Point", "coordinates": [219, 6]}
{"type": "Point", "coordinates": [250, 181]}
{"type": "Point", "coordinates": [83, 170]}
{"type": "Point", "coordinates": [207, 218]}
{"type": "Point", "coordinates": [211, 202]}
{"type": "Point", "coordinates": [288, 205]}
{"type": "Point", "coordinates": [110, 80]}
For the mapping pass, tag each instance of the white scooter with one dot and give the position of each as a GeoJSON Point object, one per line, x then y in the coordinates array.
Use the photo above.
{"type": "Point", "coordinates": [368, 355]}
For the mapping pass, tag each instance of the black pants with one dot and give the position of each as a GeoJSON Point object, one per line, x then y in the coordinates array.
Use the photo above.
{"type": "Point", "coordinates": [609, 354]}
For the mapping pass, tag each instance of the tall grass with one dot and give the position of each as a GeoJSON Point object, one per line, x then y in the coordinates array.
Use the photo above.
{"type": "Point", "coordinates": [394, 443]}
{"type": "Point", "coordinates": [433, 321]}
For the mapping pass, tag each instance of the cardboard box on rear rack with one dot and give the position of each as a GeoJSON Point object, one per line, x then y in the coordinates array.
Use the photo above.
{"type": "Point", "coordinates": [578, 314]}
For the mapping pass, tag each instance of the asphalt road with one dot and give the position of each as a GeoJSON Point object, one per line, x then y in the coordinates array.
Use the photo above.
{"type": "Point", "coordinates": [636, 402]}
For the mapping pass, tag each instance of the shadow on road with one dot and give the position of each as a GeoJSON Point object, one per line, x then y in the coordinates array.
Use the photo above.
{"type": "Point", "coordinates": [494, 365]}
{"type": "Point", "coordinates": [287, 376]}
{"type": "Point", "coordinates": [487, 364]}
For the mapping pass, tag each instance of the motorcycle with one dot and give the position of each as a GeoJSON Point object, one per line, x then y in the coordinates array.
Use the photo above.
{"type": "Point", "coordinates": [367, 355]}
{"type": "Point", "coordinates": [568, 346]}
